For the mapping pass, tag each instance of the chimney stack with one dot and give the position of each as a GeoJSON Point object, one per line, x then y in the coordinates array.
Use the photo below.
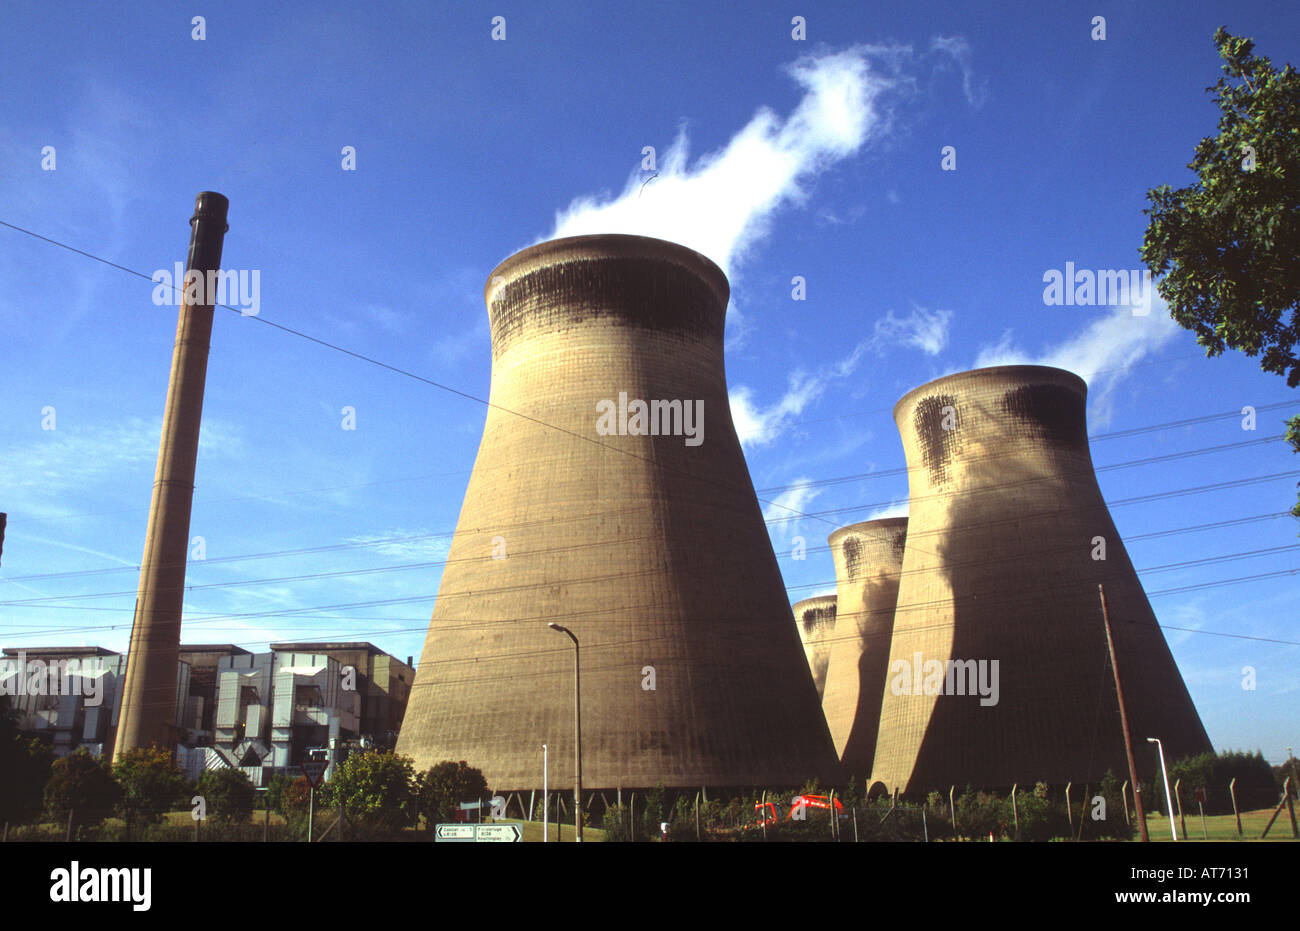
{"type": "Point", "coordinates": [149, 695]}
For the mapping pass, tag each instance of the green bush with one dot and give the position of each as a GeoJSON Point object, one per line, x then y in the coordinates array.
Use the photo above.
{"type": "Point", "coordinates": [295, 800]}
{"type": "Point", "coordinates": [617, 824]}
{"type": "Point", "coordinates": [25, 763]}
{"type": "Point", "coordinates": [376, 788]}
{"type": "Point", "coordinates": [228, 793]}
{"type": "Point", "coordinates": [83, 785]}
{"type": "Point", "coordinates": [439, 790]}
{"type": "Point", "coordinates": [152, 784]}
{"type": "Point", "coordinates": [1256, 786]}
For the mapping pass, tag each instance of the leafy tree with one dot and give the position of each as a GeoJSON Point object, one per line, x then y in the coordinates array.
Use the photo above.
{"type": "Point", "coordinates": [25, 763]}
{"type": "Point", "coordinates": [376, 787]}
{"type": "Point", "coordinates": [653, 814]}
{"type": "Point", "coordinates": [81, 784]}
{"type": "Point", "coordinates": [151, 784]}
{"type": "Point", "coordinates": [228, 793]}
{"type": "Point", "coordinates": [295, 798]}
{"type": "Point", "coordinates": [441, 789]}
{"type": "Point", "coordinates": [1229, 244]}
{"type": "Point", "coordinates": [275, 789]}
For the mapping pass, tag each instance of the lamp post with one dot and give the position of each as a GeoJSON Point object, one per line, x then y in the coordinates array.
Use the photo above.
{"type": "Point", "coordinates": [1169, 799]}
{"type": "Point", "coordinates": [546, 795]}
{"type": "Point", "coordinates": [577, 734]}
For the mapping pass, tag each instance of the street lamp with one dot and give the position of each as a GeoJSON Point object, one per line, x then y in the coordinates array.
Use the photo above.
{"type": "Point", "coordinates": [1169, 799]}
{"type": "Point", "coordinates": [577, 734]}
{"type": "Point", "coordinates": [546, 795]}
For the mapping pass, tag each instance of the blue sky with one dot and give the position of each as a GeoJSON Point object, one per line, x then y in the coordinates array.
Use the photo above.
{"type": "Point", "coordinates": [778, 158]}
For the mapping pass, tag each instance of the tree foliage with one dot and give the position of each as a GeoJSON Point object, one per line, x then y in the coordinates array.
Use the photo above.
{"type": "Point", "coordinates": [442, 788]}
{"type": "Point", "coordinates": [151, 784]}
{"type": "Point", "coordinates": [1228, 245]}
{"type": "Point", "coordinates": [228, 793]}
{"type": "Point", "coordinates": [25, 764]}
{"type": "Point", "coordinates": [376, 788]}
{"type": "Point", "coordinates": [81, 784]}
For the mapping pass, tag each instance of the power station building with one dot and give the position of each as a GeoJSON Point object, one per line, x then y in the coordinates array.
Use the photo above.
{"type": "Point", "coordinates": [998, 669]}
{"type": "Point", "coordinates": [257, 712]}
{"type": "Point", "coordinates": [610, 495]}
{"type": "Point", "coordinates": [868, 563]}
{"type": "Point", "coordinates": [815, 618]}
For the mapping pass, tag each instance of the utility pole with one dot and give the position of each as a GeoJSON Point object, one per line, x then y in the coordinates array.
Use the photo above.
{"type": "Point", "coordinates": [1123, 723]}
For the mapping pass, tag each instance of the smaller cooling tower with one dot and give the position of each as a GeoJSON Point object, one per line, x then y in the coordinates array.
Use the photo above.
{"type": "Point", "coordinates": [815, 618]}
{"type": "Point", "coordinates": [868, 559]}
{"type": "Point", "coordinates": [998, 665]}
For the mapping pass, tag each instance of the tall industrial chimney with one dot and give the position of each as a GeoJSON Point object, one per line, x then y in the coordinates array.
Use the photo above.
{"type": "Point", "coordinates": [1007, 540]}
{"type": "Point", "coordinates": [149, 694]}
{"type": "Point", "coordinates": [610, 495]}
{"type": "Point", "coordinates": [868, 560]}
{"type": "Point", "coordinates": [815, 618]}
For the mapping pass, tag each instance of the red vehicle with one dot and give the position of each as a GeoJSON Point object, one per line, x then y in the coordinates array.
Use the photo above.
{"type": "Point", "coordinates": [767, 814]}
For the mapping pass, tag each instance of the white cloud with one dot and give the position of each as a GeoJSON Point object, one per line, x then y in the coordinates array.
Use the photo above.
{"type": "Point", "coordinates": [406, 545]}
{"type": "Point", "coordinates": [757, 425]}
{"type": "Point", "coordinates": [921, 329]}
{"type": "Point", "coordinates": [785, 508]}
{"type": "Point", "coordinates": [960, 51]}
{"type": "Point", "coordinates": [896, 508]}
{"type": "Point", "coordinates": [721, 205]}
{"type": "Point", "coordinates": [1102, 353]}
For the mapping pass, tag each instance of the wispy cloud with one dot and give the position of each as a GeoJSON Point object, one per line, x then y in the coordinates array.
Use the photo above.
{"type": "Point", "coordinates": [785, 507]}
{"type": "Point", "coordinates": [959, 50]}
{"type": "Point", "coordinates": [74, 458]}
{"type": "Point", "coordinates": [722, 204]}
{"type": "Point", "coordinates": [759, 425]}
{"type": "Point", "coordinates": [1102, 353]}
{"type": "Point", "coordinates": [895, 508]}
{"type": "Point", "coordinates": [922, 329]}
{"type": "Point", "coordinates": [406, 545]}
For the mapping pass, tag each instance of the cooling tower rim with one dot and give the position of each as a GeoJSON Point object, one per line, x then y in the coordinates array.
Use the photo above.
{"type": "Point", "coordinates": [884, 523]}
{"type": "Point", "coordinates": [1011, 375]}
{"type": "Point", "coordinates": [816, 601]}
{"type": "Point", "coordinates": [604, 246]}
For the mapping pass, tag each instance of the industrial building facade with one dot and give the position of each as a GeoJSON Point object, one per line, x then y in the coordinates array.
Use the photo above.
{"type": "Point", "coordinates": [258, 712]}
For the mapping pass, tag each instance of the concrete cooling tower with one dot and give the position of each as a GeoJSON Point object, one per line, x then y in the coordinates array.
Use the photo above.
{"type": "Point", "coordinates": [815, 618]}
{"type": "Point", "coordinates": [868, 559]}
{"type": "Point", "coordinates": [998, 665]}
{"type": "Point", "coordinates": [610, 495]}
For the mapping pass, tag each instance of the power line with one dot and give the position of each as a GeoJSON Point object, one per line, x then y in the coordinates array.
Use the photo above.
{"type": "Point", "coordinates": [614, 542]}
{"type": "Point", "coordinates": [427, 381]}
{"type": "Point", "coordinates": [584, 517]}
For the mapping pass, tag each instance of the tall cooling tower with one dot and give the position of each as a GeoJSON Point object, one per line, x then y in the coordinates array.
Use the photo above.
{"type": "Point", "coordinates": [868, 559]}
{"type": "Point", "coordinates": [815, 618]}
{"type": "Point", "coordinates": [637, 529]}
{"type": "Point", "coordinates": [999, 586]}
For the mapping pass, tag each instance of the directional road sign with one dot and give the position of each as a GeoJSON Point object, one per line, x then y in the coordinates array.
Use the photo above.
{"type": "Point", "coordinates": [480, 833]}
